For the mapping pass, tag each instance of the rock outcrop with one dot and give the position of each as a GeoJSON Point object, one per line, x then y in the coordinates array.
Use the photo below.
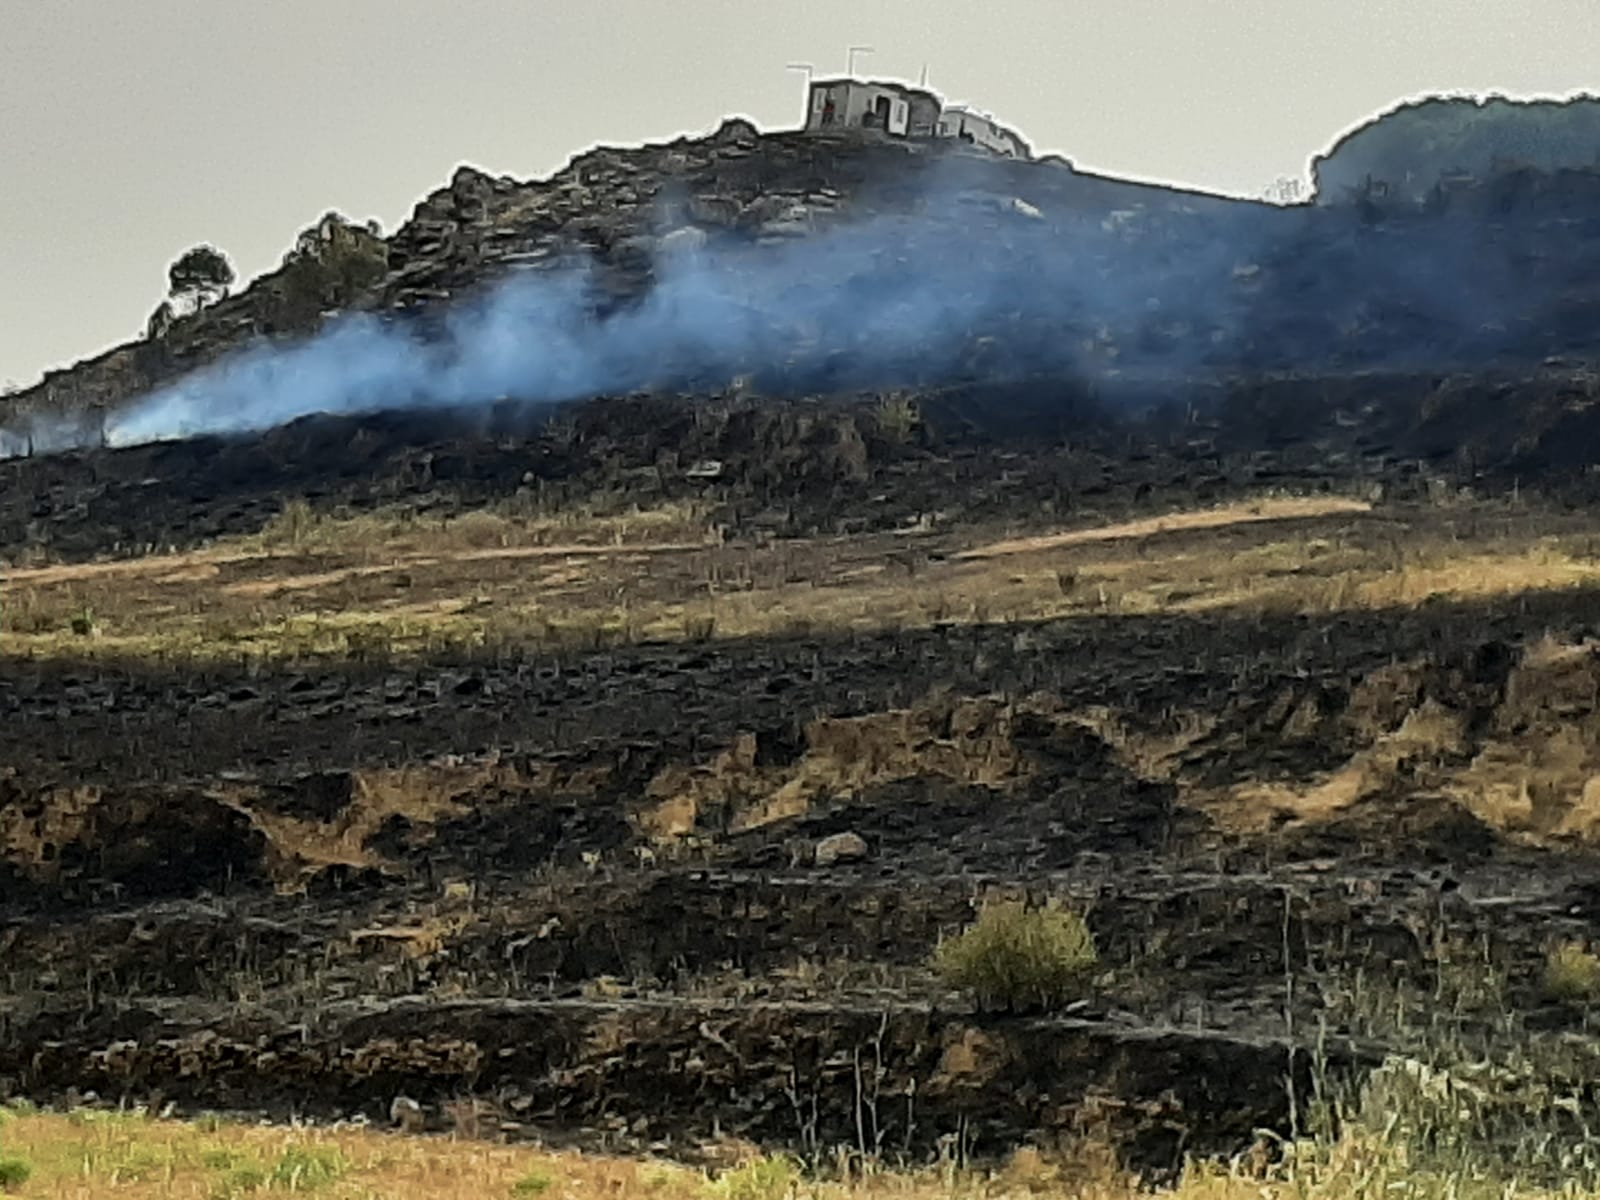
{"type": "Point", "coordinates": [621, 208]}
{"type": "Point", "coordinates": [1452, 142]}
{"type": "Point", "coordinates": [1080, 275]}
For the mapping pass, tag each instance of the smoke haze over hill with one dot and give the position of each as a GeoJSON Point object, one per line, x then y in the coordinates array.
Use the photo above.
{"type": "Point", "coordinates": [892, 299]}
{"type": "Point", "coordinates": [817, 265]}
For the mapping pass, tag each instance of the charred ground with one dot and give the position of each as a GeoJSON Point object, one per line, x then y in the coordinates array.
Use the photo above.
{"type": "Point", "coordinates": [493, 757]}
{"type": "Point", "coordinates": [529, 810]}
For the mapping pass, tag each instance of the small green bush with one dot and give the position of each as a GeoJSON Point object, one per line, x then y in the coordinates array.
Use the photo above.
{"type": "Point", "coordinates": [770, 1178]}
{"type": "Point", "coordinates": [536, 1183]}
{"type": "Point", "coordinates": [292, 525]}
{"type": "Point", "coordinates": [898, 418]}
{"type": "Point", "coordinates": [220, 1159]}
{"type": "Point", "coordinates": [307, 1167]}
{"type": "Point", "coordinates": [241, 1181]}
{"type": "Point", "coordinates": [1572, 974]}
{"type": "Point", "coordinates": [14, 1172]}
{"type": "Point", "coordinates": [1017, 959]}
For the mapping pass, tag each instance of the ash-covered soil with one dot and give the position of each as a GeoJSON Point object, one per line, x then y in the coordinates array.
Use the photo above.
{"type": "Point", "coordinates": [1047, 447]}
{"type": "Point", "coordinates": [592, 888]}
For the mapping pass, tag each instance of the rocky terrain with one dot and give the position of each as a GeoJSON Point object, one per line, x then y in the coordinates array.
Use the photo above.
{"type": "Point", "coordinates": [640, 891]}
{"type": "Point", "coordinates": [1439, 144]}
{"type": "Point", "coordinates": [1053, 271]}
{"type": "Point", "coordinates": [617, 770]}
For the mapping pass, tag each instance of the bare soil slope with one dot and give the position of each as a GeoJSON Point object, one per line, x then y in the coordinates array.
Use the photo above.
{"type": "Point", "coordinates": [505, 769]}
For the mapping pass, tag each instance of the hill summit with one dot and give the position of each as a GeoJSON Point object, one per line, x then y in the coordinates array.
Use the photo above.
{"type": "Point", "coordinates": [824, 259]}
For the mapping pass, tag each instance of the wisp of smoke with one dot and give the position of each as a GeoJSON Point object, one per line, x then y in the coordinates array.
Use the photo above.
{"type": "Point", "coordinates": [892, 298]}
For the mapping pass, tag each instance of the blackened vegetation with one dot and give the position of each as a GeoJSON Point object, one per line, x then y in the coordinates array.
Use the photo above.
{"type": "Point", "coordinates": [561, 880]}
{"type": "Point", "coordinates": [507, 811]}
{"type": "Point", "coordinates": [799, 467]}
{"type": "Point", "coordinates": [874, 266]}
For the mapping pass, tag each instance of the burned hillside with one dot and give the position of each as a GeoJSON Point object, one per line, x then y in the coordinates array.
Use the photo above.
{"type": "Point", "coordinates": [815, 264]}
{"type": "Point", "coordinates": [616, 759]}
{"type": "Point", "coordinates": [852, 462]}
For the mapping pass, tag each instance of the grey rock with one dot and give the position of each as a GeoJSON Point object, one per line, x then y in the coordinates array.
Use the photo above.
{"type": "Point", "coordinates": [840, 848]}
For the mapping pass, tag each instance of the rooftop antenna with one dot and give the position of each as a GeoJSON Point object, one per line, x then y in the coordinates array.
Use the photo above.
{"type": "Point", "coordinates": [850, 58]}
{"type": "Point", "coordinates": [924, 82]}
{"type": "Point", "coordinates": [809, 70]}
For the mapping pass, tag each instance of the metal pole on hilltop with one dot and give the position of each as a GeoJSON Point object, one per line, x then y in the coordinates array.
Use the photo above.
{"type": "Point", "coordinates": [809, 70]}
{"type": "Point", "coordinates": [806, 67]}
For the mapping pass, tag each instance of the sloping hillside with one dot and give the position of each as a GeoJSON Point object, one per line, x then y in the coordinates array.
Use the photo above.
{"type": "Point", "coordinates": [751, 195]}
{"type": "Point", "coordinates": [1448, 141]}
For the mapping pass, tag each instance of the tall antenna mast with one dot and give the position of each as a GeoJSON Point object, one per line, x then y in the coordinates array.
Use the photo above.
{"type": "Point", "coordinates": [924, 75]}
{"type": "Point", "coordinates": [808, 69]}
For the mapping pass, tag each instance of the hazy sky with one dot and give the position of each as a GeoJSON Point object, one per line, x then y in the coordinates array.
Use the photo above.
{"type": "Point", "coordinates": [133, 129]}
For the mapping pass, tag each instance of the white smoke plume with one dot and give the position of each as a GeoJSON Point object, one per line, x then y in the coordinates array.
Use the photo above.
{"type": "Point", "coordinates": [888, 299]}
{"type": "Point", "coordinates": [895, 299]}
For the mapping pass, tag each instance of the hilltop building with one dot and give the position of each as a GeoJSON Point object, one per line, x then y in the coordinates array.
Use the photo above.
{"type": "Point", "coordinates": [959, 121]}
{"type": "Point", "coordinates": [892, 108]}
{"type": "Point", "coordinates": [900, 110]}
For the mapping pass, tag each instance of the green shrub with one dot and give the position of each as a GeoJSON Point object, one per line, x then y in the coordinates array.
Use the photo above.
{"type": "Point", "coordinates": [330, 265]}
{"type": "Point", "coordinates": [241, 1181]}
{"type": "Point", "coordinates": [307, 1167]}
{"type": "Point", "coordinates": [14, 1172]}
{"type": "Point", "coordinates": [1572, 973]}
{"type": "Point", "coordinates": [898, 418]}
{"type": "Point", "coordinates": [770, 1178]}
{"type": "Point", "coordinates": [536, 1183]}
{"type": "Point", "coordinates": [292, 525]}
{"type": "Point", "coordinates": [1017, 959]}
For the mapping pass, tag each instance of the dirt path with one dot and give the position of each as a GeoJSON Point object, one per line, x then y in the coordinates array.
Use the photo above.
{"type": "Point", "coordinates": [1286, 509]}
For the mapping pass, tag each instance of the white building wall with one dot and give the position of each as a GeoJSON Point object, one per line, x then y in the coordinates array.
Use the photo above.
{"type": "Point", "coordinates": [981, 131]}
{"type": "Point", "coordinates": [852, 102]}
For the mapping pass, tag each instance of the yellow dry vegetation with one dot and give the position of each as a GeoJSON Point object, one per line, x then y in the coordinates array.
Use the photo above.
{"type": "Point", "coordinates": [1277, 508]}
{"type": "Point", "coordinates": [381, 587]}
{"type": "Point", "coordinates": [424, 794]}
{"type": "Point", "coordinates": [969, 741]}
{"type": "Point", "coordinates": [90, 1155]}
{"type": "Point", "coordinates": [87, 1155]}
{"type": "Point", "coordinates": [1531, 773]}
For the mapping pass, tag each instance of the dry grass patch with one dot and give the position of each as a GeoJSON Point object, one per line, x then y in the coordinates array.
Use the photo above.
{"type": "Point", "coordinates": [1278, 508]}
{"type": "Point", "coordinates": [511, 524]}
{"type": "Point", "coordinates": [88, 1156]}
{"type": "Point", "coordinates": [493, 585]}
{"type": "Point", "coordinates": [85, 1155]}
{"type": "Point", "coordinates": [1572, 973]}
